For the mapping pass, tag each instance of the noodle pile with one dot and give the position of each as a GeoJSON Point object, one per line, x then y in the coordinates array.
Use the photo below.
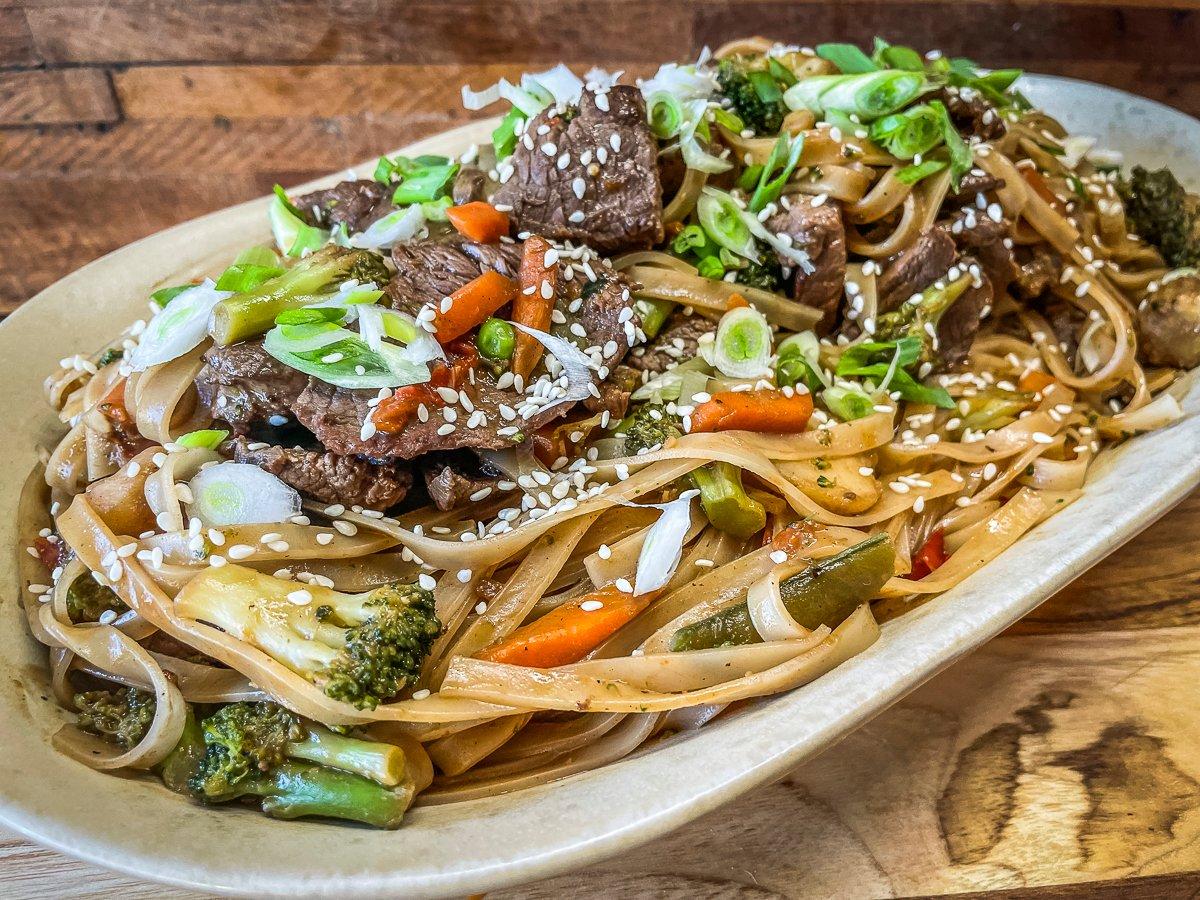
{"type": "Point", "coordinates": [491, 727]}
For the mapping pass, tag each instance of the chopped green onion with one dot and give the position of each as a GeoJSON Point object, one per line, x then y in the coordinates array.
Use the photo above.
{"type": "Point", "coordinates": [727, 119]}
{"type": "Point", "coordinates": [504, 138]}
{"type": "Point", "coordinates": [765, 86]}
{"type": "Point", "coordinates": [163, 296]}
{"type": "Point", "coordinates": [654, 313]}
{"type": "Point", "coordinates": [178, 327]}
{"type": "Point", "coordinates": [961, 158]}
{"type": "Point", "coordinates": [913, 174]}
{"type": "Point", "coordinates": [695, 129]}
{"type": "Point", "coordinates": [435, 210]}
{"type": "Point", "coordinates": [799, 362]}
{"type": "Point", "coordinates": [310, 315]}
{"type": "Point", "coordinates": [782, 73]}
{"type": "Point", "coordinates": [710, 267]}
{"type": "Point", "coordinates": [906, 134]}
{"type": "Point", "coordinates": [858, 356]}
{"type": "Point", "coordinates": [246, 276]}
{"type": "Point", "coordinates": [497, 339]}
{"type": "Point", "coordinates": [868, 96]}
{"type": "Point", "coordinates": [847, 57]}
{"type": "Point", "coordinates": [889, 56]}
{"type": "Point", "coordinates": [848, 403]}
{"type": "Point", "coordinates": [690, 238]}
{"type": "Point", "coordinates": [665, 113]}
{"type": "Point", "coordinates": [232, 493]}
{"type": "Point", "coordinates": [425, 183]}
{"type": "Point", "coordinates": [743, 344]}
{"type": "Point", "coordinates": [257, 256]}
{"type": "Point", "coordinates": [205, 438]}
{"type": "Point", "coordinates": [723, 221]}
{"type": "Point", "coordinates": [293, 236]}
{"type": "Point", "coordinates": [749, 177]}
{"type": "Point", "coordinates": [341, 357]}
{"type": "Point", "coordinates": [770, 186]}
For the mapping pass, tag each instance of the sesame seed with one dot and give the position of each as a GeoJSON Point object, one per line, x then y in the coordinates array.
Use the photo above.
{"type": "Point", "coordinates": [778, 556]}
{"type": "Point", "coordinates": [623, 585]}
{"type": "Point", "coordinates": [481, 607]}
{"type": "Point", "coordinates": [324, 538]}
{"type": "Point", "coordinates": [422, 694]}
{"type": "Point", "coordinates": [300, 597]}
{"type": "Point", "coordinates": [591, 605]}
{"type": "Point", "coordinates": [1040, 437]}
{"type": "Point", "coordinates": [239, 551]}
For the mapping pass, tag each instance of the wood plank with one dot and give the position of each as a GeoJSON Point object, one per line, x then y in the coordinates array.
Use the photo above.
{"type": "Point", "coordinates": [352, 31]}
{"type": "Point", "coordinates": [16, 40]}
{"type": "Point", "coordinates": [247, 92]}
{"type": "Point", "coordinates": [57, 97]}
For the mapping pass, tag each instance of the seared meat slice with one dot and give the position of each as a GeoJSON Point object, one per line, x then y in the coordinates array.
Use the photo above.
{"type": "Point", "coordinates": [607, 193]}
{"type": "Point", "coordinates": [817, 230]}
{"type": "Point", "coordinates": [1039, 269]}
{"type": "Point", "coordinates": [914, 269]}
{"type": "Point", "coordinates": [452, 478]}
{"type": "Point", "coordinates": [427, 271]}
{"type": "Point", "coordinates": [469, 185]}
{"type": "Point", "coordinates": [957, 328]}
{"type": "Point", "coordinates": [971, 113]}
{"type": "Point", "coordinates": [327, 477]}
{"type": "Point", "coordinates": [356, 203]}
{"type": "Point", "coordinates": [1169, 321]}
{"type": "Point", "coordinates": [244, 385]}
{"type": "Point", "coordinates": [679, 340]}
{"type": "Point", "coordinates": [976, 181]}
{"type": "Point", "coordinates": [978, 233]}
{"type": "Point", "coordinates": [614, 392]}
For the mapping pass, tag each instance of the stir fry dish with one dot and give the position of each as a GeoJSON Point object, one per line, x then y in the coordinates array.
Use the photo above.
{"type": "Point", "coordinates": [492, 469]}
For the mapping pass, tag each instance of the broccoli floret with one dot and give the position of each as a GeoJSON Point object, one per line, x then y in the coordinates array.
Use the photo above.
{"type": "Point", "coordinates": [250, 313]}
{"type": "Point", "coordinates": [359, 648]}
{"type": "Point", "coordinates": [87, 600]}
{"type": "Point", "coordinates": [297, 768]}
{"type": "Point", "coordinates": [766, 275]}
{"type": "Point", "coordinates": [1163, 213]}
{"type": "Point", "coordinates": [913, 317]}
{"type": "Point", "coordinates": [754, 93]}
{"type": "Point", "coordinates": [648, 427]}
{"type": "Point", "coordinates": [120, 716]}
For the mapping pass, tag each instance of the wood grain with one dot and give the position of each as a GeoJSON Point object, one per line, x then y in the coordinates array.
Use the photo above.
{"type": "Point", "coordinates": [1059, 761]}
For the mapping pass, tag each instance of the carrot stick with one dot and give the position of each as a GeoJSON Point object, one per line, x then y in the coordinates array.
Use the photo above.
{"type": "Point", "coordinates": [478, 221]}
{"type": "Point", "coordinates": [535, 303]}
{"type": "Point", "coordinates": [472, 303]}
{"type": "Point", "coordinates": [1034, 381]}
{"type": "Point", "coordinates": [767, 411]}
{"type": "Point", "coordinates": [570, 632]}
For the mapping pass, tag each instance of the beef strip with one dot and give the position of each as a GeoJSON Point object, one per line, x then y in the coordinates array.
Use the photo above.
{"type": "Point", "coordinates": [976, 181]}
{"type": "Point", "coordinates": [356, 203]}
{"type": "Point", "coordinates": [679, 340]}
{"type": "Point", "coordinates": [614, 392]}
{"type": "Point", "coordinates": [427, 271]}
{"type": "Point", "coordinates": [914, 269]}
{"type": "Point", "coordinates": [452, 478]}
{"type": "Point", "coordinates": [469, 185]}
{"type": "Point", "coordinates": [1039, 269]}
{"type": "Point", "coordinates": [607, 194]}
{"type": "Point", "coordinates": [817, 230]}
{"type": "Point", "coordinates": [957, 328]}
{"type": "Point", "coordinates": [971, 113]}
{"type": "Point", "coordinates": [244, 385]}
{"type": "Point", "coordinates": [327, 477]}
{"type": "Point", "coordinates": [978, 233]}
{"type": "Point", "coordinates": [1169, 323]}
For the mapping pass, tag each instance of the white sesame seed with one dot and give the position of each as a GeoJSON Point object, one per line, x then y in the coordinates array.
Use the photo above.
{"type": "Point", "coordinates": [591, 605]}
{"type": "Point", "coordinates": [239, 551]}
{"type": "Point", "coordinates": [300, 597]}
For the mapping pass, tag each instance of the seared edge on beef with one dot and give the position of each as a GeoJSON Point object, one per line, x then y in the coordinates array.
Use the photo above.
{"type": "Point", "coordinates": [818, 231]}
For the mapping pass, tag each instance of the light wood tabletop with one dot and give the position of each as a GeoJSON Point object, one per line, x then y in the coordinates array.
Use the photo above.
{"type": "Point", "coordinates": [1060, 760]}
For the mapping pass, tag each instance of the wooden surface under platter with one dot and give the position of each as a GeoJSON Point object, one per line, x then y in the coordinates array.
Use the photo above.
{"type": "Point", "coordinates": [1060, 760]}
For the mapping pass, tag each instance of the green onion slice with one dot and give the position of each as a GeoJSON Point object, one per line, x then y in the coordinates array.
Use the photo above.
{"type": "Point", "coordinates": [742, 348]}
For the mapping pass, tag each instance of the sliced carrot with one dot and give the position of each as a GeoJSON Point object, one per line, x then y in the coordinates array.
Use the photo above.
{"type": "Point", "coordinates": [394, 412]}
{"type": "Point", "coordinates": [736, 301]}
{"type": "Point", "coordinates": [765, 411]}
{"type": "Point", "coordinates": [1035, 180]}
{"type": "Point", "coordinates": [570, 632]}
{"type": "Point", "coordinates": [472, 303]}
{"type": "Point", "coordinates": [1035, 380]}
{"type": "Point", "coordinates": [478, 221]}
{"type": "Point", "coordinates": [534, 304]}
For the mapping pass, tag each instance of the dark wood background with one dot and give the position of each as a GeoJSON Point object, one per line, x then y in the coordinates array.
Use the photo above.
{"type": "Point", "coordinates": [1066, 753]}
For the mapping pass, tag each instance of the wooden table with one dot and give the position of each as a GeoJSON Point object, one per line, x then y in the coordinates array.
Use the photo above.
{"type": "Point", "coordinates": [1061, 759]}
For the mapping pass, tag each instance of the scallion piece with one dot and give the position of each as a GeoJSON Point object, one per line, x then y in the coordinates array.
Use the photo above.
{"type": "Point", "coordinates": [743, 344]}
{"type": "Point", "coordinates": [425, 184]}
{"type": "Point", "coordinates": [782, 73]}
{"type": "Point", "coordinates": [690, 238]}
{"type": "Point", "coordinates": [665, 113]}
{"type": "Point", "coordinates": [205, 438]}
{"type": "Point", "coordinates": [163, 296]}
{"type": "Point", "coordinates": [257, 256]}
{"type": "Point", "coordinates": [293, 236]}
{"type": "Point", "coordinates": [653, 314]}
{"type": "Point", "coordinates": [847, 57]}
{"type": "Point", "coordinates": [246, 276]}
{"type": "Point", "coordinates": [232, 493]}
{"type": "Point", "coordinates": [798, 361]}
{"type": "Point", "coordinates": [890, 56]}
{"type": "Point", "coordinates": [848, 403]}
{"type": "Point", "coordinates": [504, 138]}
{"type": "Point", "coordinates": [913, 174]}
{"type": "Point", "coordinates": [342, 357]}
{"type": "Point", "coordinates": [961, 157]}
{"type": "Point", "coordinates": [710, 267]}
{"type": "Point", "coordinates": [771, 183]}
{"type": "Point", "coordinates": [724, 222]}
{"type": "Point", "coordinates": [868, 95]}
{"type": "Point", "coordinates": [906, 134]}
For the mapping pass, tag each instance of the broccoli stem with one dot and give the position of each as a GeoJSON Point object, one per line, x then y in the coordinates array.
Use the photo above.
{"type": "Point", "coordinates": [293, 790]}
{"type": "Point", "coordinates": [728, 507]}
{"type": "Point", "coordinates": [653, 314]}
{"type": "Point", "coordinates": [823, 594]}
{"type": "Point", "coordinates": [251, 313]}
{"type": "Point", "coordinates": [377, 761]}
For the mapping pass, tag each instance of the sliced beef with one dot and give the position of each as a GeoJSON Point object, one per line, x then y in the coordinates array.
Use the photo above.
{"type": "Point", "coordinates": [606, 193]}
{"type": "Point", "coordinates": [914, 269]}
{"type": "Point", "coordinates": [427, 271]}
{"type": "Point", "coordinates": [1039, 270]}
{"type": "Point", "coordinates": [1169, 323]}
{"type": "Point", "coordinates": [244, 385]}
{"type": "Point", "coordinates": [469, 185]}
{"type": "Point", "coordinates": [960, 323]}
{"type": "Point", "coordinates": [971, 113]}
{"type": "Point", "coordinates": [978, 233]}
{"type": "Point", "coordinates": [976, 181]}
{"type": "Point", "coordinates": [614, 392]}
{"type": "Point", "coordinates": [328, 477]}
{"type": "Point", "coordinates": [355, 203]}
{"type": "Point", "coordinates": [679, 340]}
{"type": "Point", "coordinates": [452, 478]}
{"type": "Point", "coordinates": [817, 230]}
